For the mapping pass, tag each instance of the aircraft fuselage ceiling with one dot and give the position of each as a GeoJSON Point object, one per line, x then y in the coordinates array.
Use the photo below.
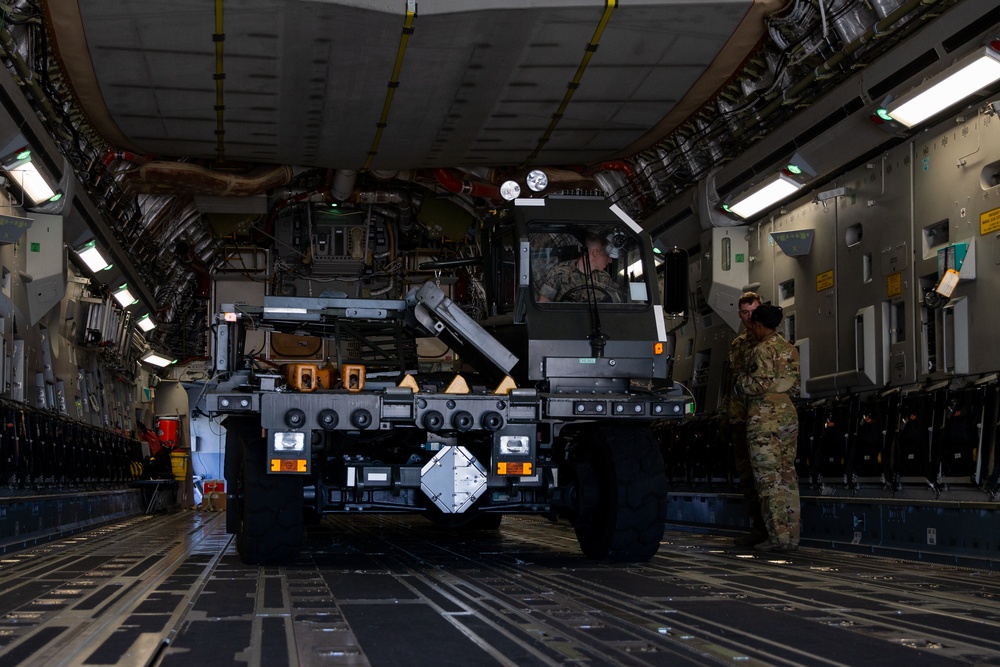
{"type": "Point", "coordinates": [200, 142]}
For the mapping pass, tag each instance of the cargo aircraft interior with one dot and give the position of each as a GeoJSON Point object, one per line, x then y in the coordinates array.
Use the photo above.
{"type": "Point", "coordinates": [384, 332]}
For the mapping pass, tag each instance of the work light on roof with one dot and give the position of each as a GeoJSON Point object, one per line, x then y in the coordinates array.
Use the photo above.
{"type": "Point", "coordinates": [510, 190]}
{"type": "Point", "coordinates": [536, 180]}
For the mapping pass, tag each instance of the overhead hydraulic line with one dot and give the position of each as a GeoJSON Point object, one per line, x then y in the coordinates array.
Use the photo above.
{"type": "Point", "coordinates": [571, 87]}
{"type": "Point", "coordinates": [411, 14]}
{"type": "Point", "coordinates": [219, 37]}
{"type": "Point", "coordinates": [748, 119]}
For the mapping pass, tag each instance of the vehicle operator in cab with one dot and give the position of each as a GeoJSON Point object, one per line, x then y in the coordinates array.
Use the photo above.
{"type": "Point", "coordinates": [568, 281]}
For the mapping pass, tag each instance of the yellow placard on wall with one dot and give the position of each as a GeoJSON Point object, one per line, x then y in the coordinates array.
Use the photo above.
{"type": "Point", "coordinates": [989, 222]}
{"type": "Point", "coordinates": [824, 281]}
{"type": "Point", "coordinates": [894, 284]}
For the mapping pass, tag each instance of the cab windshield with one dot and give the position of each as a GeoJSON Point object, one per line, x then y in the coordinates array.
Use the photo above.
{"type": "Point", "coordinates": [582, 263]}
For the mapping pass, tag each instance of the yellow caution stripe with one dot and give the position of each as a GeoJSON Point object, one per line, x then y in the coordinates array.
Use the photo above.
{"type": "Point", "coordinates": [219, 37]}
{"type": "Point", "coordinates": [411, 14]}
{"type": "Point", "coordinates": [588, 53]}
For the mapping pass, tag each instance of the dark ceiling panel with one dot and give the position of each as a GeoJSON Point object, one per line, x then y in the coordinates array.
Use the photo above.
{"type": "Point", "coordinates": [319, 73]}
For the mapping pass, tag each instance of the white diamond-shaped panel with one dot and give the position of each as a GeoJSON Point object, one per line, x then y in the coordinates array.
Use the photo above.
{"type": "Point", "coordinates": [453, 479]}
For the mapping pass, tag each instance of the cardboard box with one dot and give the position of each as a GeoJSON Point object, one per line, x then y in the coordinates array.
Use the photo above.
{"type": "Point", "coordinates": [213, 502]}
{"type": "Point", "coordinates": [218, 501]}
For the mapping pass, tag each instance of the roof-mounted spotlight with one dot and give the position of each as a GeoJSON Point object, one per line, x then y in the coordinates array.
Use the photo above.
{"type": "Point", "coordinates": [25, 175]}
{"type": "Point", "coordinates": [537, 180]}
{"type": "Point", "coordinates": [145, 323]}
{"type": "Point", "coordinates": [155, 359]}
{"type": "Point", "coordinates": [949, 87]}
{"type": "Point", "coordinates": [510, 190]}
{"type": "Point", "coordinates": [124, 296]}
{"type": "Point", "coordinates": [764, 195]}
{"type": "Point", "coordinates": [92, 257]}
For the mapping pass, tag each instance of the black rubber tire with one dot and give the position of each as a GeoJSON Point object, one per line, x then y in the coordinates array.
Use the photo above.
{"type": "Point", "coordinates": [622, 491]}
{"type": "Point", "coordinates": [233, 466]}
{"type": "Point", "coordinates": [271, 524]}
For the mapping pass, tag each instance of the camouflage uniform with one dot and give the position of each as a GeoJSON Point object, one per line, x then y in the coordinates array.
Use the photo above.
{"type": "Point", "coordinates": [566, 276]}
{"type": "Point", "coordinates": [772, 373]}
{"type": "Point", "coordinates": [734, 409]}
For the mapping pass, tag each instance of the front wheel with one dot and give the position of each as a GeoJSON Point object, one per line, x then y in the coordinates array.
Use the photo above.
{"type": "Point", "coordinates": [622, 494]}
{"type": "Point", "coordinates": [270, 526]}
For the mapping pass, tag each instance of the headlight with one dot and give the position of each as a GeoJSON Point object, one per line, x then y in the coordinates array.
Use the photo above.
{"type": "Point", "coordinates": [292, 441]}
{"type": "Point", "coordinates": [514, 445]}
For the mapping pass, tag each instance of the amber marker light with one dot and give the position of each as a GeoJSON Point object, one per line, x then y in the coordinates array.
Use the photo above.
{"type": "Point", "coordinates": [657, 348]}
{"type": "Point", "coordinates": [288, 465]}
{"type": "Point", "coordinates": [511, 468]}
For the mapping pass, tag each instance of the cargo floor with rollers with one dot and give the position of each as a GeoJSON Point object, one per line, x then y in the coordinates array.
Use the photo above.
{"type": "Point", "coordinates": [375, 590]}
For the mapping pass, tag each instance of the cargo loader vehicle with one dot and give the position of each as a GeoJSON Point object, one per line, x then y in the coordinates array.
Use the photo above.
{"type": "Point", "coordinates": [546, 410]}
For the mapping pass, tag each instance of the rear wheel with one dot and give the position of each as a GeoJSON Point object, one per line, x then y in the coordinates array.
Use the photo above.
{"type": "Point", "coordinates": [621, 494]}
{"type": "Point", "coordinates": [269, 521]}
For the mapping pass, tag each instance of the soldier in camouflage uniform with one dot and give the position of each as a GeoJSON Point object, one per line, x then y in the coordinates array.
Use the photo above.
{"type": "Point", "coordinates": [734, 412]}
{"type": "Point", "coordinates": [572, 277]}
{"type": "Point", "coordinates": [770, 377]}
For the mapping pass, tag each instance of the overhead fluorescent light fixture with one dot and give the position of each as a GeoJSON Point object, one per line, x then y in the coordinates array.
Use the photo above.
{"type": "Point", "coordinates": [93, 258]}
{"type": "Point", "coordinates": [124, 296]}
{"type": "Point", "coordinates": [945, 89]}
{"type": "Point", "coordinates": [145, 323]}
{"type": "Point", "coordinates": [156, 359]}
{"type": "Point", "coordinates": [768, 193]}
{"type": "Point", "coordinates": [27, 177]}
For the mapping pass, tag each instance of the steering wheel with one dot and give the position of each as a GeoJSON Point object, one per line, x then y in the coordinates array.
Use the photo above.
{"type": "Point", "coordinates": [449, 263]}
{"type": "Point", "coordinates": [605, 294]}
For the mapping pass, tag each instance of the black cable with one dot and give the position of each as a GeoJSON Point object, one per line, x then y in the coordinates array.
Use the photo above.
{"type": "Point", "coordinates": [597, 337]}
